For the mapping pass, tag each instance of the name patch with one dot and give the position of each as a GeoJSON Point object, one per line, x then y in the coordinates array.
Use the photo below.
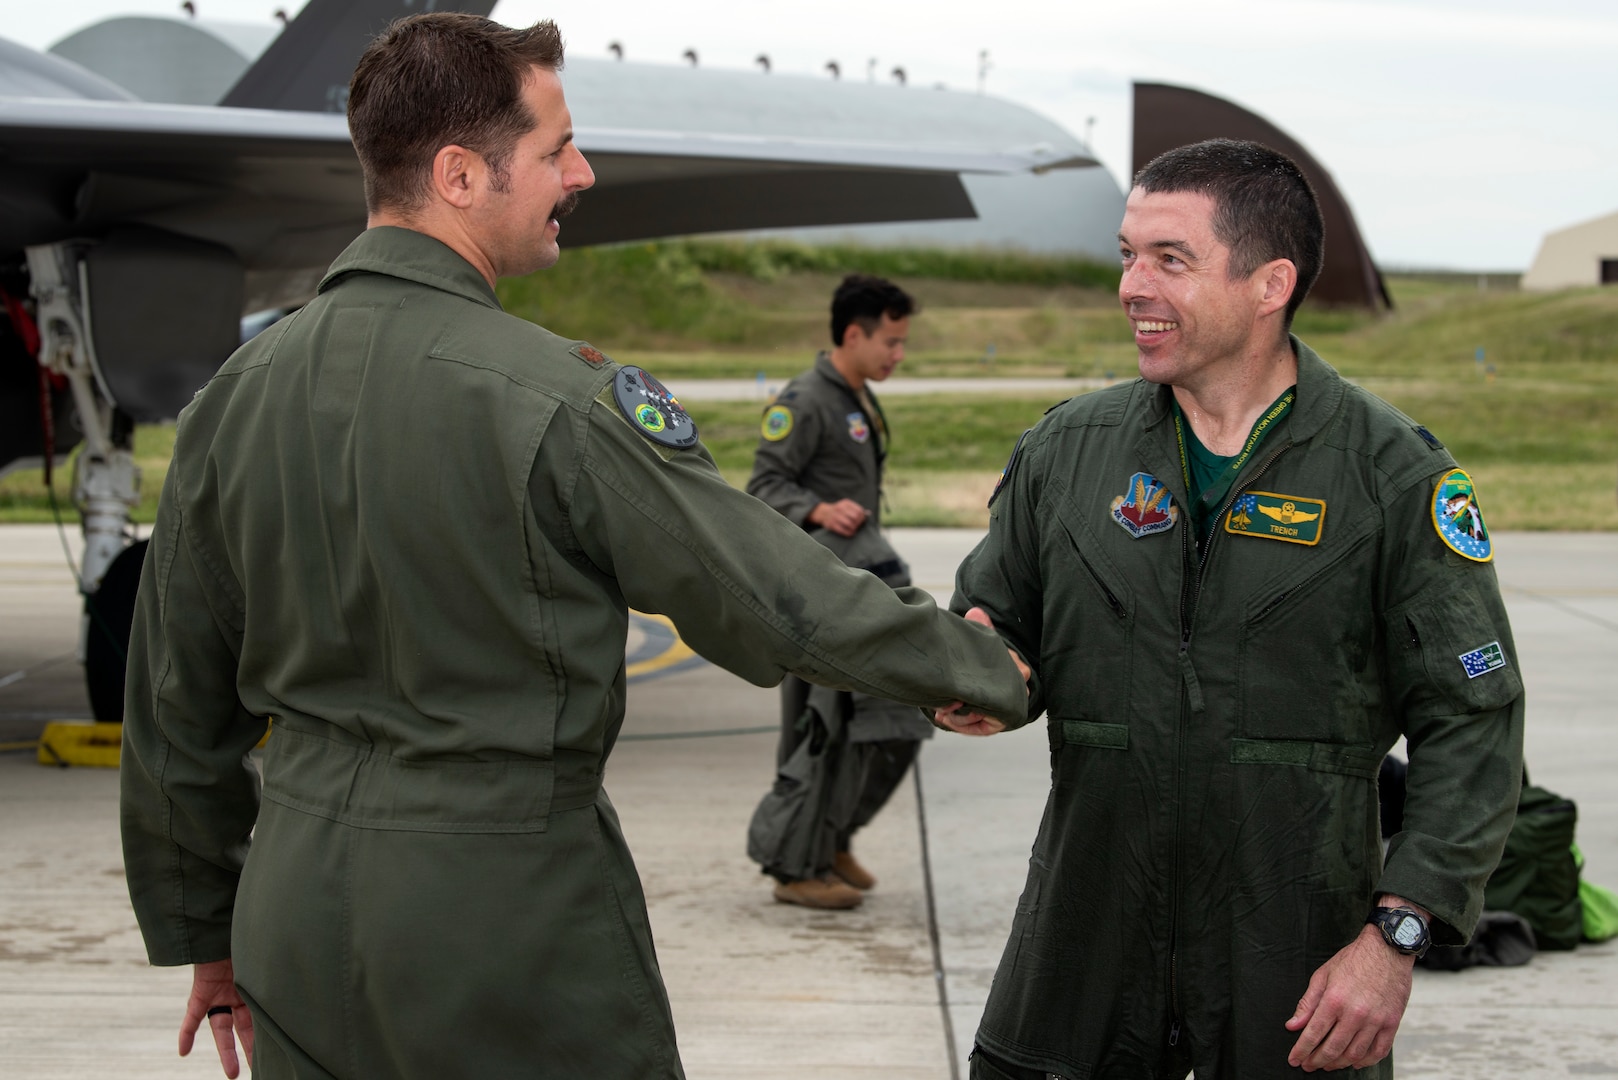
{"type": "Point", "coordinates": [1273, 516]}
{"type": "Point", "coordinates": [1483, 660]}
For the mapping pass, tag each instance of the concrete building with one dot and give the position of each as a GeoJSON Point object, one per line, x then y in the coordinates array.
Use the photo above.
{"type": "Point", "coordinates": [1582, 254]}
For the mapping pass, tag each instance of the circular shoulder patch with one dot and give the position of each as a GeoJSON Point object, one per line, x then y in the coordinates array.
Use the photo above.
{"type": "Point", "coordinates": [652, 410]}
{"type": "Point", "coordinates": [1459, 519]}
{"type": "Point", "coordinates": [777, 423]}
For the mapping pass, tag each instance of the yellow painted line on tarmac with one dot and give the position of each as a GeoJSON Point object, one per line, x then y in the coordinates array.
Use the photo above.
{"type": "Point", "coordinates": [677, 652]}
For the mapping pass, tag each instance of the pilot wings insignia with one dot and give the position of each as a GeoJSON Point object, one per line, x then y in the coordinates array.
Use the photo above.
{"type": "Point", "coordinates": [1286, 513]}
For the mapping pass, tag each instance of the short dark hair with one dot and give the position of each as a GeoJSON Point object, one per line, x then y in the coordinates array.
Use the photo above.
{"type": "Point", "coordinates": [436, 80]}
{"type": "Point", "coordinates": [864, 299]}
{"type": "Point", "coordinates": [1264, 207]}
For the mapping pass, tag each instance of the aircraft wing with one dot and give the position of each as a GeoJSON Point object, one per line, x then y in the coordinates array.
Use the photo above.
{"type": "Point", "coordinates": [282, 189]}
{"type": "Point", "coordinates": [204, 213]}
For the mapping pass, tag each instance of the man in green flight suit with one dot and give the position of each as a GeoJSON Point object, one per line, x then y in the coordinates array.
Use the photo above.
{"type": "Point", "coordinates": [407, 527]}
{"type": "Point", "coordinates": [821, 451]}
{"type": "Point", "coordinates": [1236, 591]}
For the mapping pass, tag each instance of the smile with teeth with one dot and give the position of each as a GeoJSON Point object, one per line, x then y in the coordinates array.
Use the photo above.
{"type": "Point", "coordinates": [1148, 327]}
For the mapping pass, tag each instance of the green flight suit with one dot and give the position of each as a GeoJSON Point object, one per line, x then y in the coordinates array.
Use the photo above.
{"type": "Point", "coordinates": [408, 527]}
{"type": "Point", "coordinates": [821, 443]}
{"type": "Point", "coordinates": [1211, 834]}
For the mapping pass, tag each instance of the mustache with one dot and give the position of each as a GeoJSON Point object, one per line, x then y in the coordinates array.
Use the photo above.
{"type": "Point", "coordinates": [566, 206]}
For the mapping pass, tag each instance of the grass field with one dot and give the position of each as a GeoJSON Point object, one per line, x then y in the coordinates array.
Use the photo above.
{"type": "Point", "coordinates": [1535, 420]}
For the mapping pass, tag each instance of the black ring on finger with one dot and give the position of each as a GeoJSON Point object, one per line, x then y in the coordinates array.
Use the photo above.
{"type": "Point", "coordinates": [218, 1009]}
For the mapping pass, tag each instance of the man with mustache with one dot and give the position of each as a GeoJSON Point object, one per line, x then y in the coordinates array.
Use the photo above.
{"type": "Point", "coordinates": [407, 527]}
{"type": "Point", "coordinates": [1235, 586]}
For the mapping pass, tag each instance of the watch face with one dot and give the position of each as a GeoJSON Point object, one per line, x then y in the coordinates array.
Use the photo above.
{"type": "Point", "coordinates": [1409, 932]}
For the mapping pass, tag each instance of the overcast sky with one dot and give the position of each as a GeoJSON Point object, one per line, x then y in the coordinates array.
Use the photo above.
{"type": "Point", "coordinates": [1460, 130]}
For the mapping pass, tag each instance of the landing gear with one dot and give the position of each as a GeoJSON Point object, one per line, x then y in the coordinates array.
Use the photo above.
{"type": "Point", "coordinates": [107, 482]}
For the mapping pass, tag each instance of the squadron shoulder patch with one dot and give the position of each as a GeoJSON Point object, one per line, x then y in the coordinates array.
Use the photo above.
{"type": "Point", "coordinates": [1146, 508]}
{"type": "Point", "coordinates": [1458, 519]}
{"type": "Point", "coordinates": [1291, 518]}
{"type": "Point", "coordinates": [777, 423]}
{"type": "Point", "coordinates": [652, 410]}
{"type": "Point", "coordinates": [589, 354]}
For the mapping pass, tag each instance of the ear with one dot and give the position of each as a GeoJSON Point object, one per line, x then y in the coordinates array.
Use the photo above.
{"type": "Point", "coordinates": [1277, 280]}
{"type": "Point", "coordinates": [457, 174]}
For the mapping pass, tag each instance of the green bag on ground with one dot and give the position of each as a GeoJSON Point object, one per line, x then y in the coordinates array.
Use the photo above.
{"type": "Point", "coordinates": [1600, 905]}
{"type": "Point", "coordinates": [1538, 877]}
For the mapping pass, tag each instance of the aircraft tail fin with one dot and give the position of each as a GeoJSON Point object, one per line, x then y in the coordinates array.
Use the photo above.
{"type": "Point", "coordinates": [307, 68]}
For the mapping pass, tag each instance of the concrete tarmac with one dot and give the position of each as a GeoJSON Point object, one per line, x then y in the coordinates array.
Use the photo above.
{"type": "Point", "coordinates": [761, 990]}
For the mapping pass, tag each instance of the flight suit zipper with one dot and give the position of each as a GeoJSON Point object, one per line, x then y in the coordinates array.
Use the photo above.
{"type": "Point", "coordinates": [1190, 595]}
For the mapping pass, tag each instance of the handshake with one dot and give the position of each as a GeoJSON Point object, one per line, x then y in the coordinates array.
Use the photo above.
{"type": "Point", "coordinates": [957, 717]}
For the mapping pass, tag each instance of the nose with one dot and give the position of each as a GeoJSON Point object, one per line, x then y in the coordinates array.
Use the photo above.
{"type": "Point", "coordinates": [1136, 283]}
{"type": "Point", "coordinates": [577, 175]}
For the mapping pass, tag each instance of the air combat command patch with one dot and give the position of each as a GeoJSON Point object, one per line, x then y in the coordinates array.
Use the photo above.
{"type": "Point", "coordinates": [652, 410]}
{"type": "Point", "coordinates": [777, 423]}
{"type": "Point", "coordinates": [1147, 507]}
{"type": "Point", "coordinates": [1265, 514]}
{"type": "Point", "coordinates": [1458, 518]}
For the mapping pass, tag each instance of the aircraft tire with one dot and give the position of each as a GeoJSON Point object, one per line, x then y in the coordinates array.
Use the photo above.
{"type": "Point", "coordinates": [111, 609]}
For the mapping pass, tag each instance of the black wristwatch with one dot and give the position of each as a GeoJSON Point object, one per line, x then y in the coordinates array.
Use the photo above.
{"type": "Point", "coordinates": [1403, 928]}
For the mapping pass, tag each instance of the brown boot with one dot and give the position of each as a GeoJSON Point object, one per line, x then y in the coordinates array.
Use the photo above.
{"type": "Point", "coordinates": [821, 892]}
{"type": "Point", "coordinates": [845, 866]}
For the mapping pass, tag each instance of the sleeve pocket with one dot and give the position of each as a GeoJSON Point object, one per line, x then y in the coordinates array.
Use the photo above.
{"type": "Point", "coordinates": [1464, 648]}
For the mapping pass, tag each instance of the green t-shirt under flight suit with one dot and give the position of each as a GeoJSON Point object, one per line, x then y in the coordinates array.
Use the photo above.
{"type": "Point", "coordinates": [407, 527]}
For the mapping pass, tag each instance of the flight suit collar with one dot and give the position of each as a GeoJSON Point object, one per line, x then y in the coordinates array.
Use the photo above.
{"type": "Point", "coordinates": [413, 256]}
{"type": "Point", "coordinates": [1320, 392]}
{"type": "Point", "coordinates": [828, 371]}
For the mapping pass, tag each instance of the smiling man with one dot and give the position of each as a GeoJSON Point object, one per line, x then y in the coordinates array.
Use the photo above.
{"type": "Point", "coordinates": [407, 527]}
{"type": "Point", "coordinates": [1238, 582]}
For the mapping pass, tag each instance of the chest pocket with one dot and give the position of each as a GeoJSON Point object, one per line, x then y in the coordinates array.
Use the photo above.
{"type": "Point", "coordinates": [1089, 626]}
{"type": "Point", "coordinates": [1306, 664]}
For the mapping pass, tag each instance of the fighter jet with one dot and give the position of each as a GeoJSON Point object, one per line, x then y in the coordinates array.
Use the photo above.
{"type": "Point", "coordinates": [135, 236]}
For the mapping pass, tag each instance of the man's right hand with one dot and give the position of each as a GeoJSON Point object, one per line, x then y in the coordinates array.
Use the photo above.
{"type": "Point", "coordinates": [843, 517]}
{"type": "Point", "coordinates": [956, 717]}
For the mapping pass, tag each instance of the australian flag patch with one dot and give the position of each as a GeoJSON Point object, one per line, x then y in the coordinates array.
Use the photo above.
{"type": "Point", "coordinates": [1482, 660]}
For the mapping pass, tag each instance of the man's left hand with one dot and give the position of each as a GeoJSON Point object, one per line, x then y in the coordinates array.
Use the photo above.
{"type": "Point", "coordinates": [1351, 1011]}
{"type": "Point", "coordinates": [213, 986]}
